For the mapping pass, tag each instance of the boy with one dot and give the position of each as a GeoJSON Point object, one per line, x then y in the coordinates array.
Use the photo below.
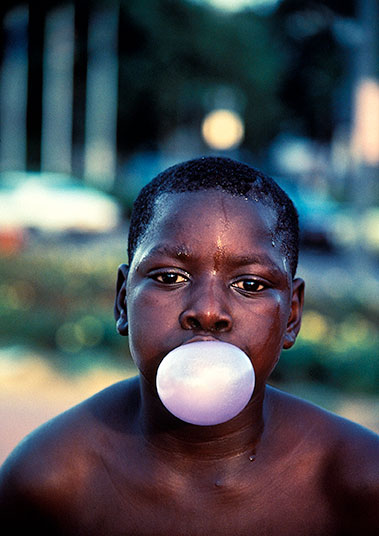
{"type": "Point", "coordinates": [212, 256]}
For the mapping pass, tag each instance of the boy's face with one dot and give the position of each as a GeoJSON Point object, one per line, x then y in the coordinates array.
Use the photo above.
{"type": "Point", "coordinates": [208, 267]}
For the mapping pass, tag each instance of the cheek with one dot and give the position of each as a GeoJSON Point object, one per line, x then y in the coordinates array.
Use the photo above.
{"type": "Point", "coordinates": [268, 335]}
{"type": "Point", "coordinates": [278, 324]}
{"type": "Point", "coordinates": [150, 325]}
{"type": "Point", "coordinates": [142, 311]}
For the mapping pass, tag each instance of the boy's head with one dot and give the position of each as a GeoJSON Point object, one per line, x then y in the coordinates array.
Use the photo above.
{"type": "Point", "coordinates": [229, 176]}
{"type": "Point", "coordinates": [213, 248]}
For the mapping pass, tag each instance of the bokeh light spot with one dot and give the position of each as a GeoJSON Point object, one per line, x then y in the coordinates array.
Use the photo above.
{"type": "Point", "coordinates": [89, 331]}
{"type": "Point", "coordinates": [223, 129]}
{"type": "Point", "coordinates": [66, 338]}
{"type": "Point", "coordinates": [314, 327]}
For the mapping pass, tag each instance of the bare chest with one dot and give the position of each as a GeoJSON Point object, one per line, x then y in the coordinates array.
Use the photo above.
{"type": "Point", "coordinates": [253, 504]}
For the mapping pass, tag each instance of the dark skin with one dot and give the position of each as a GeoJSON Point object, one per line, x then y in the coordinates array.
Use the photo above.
{"type": "Point", "coordinates": [120, 463]}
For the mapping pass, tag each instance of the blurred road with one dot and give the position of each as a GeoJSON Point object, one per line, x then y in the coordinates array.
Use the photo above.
{"type": "Point", "coordinates": [32, 392]}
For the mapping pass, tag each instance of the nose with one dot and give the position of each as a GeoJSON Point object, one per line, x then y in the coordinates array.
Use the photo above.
{"type": "Point", "coordinates": [207, 311]}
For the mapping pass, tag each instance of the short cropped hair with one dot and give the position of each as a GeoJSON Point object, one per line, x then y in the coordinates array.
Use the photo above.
{"type": "Point", "coordinates": [227, 175]}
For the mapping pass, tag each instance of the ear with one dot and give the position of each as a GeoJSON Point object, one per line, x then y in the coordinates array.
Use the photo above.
{"type": "Point", "coordinates": [294, 321]}
{"type": "Point", "coordinates": [120, 312]}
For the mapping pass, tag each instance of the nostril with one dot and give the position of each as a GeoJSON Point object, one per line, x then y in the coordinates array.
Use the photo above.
{"type": "Point", "coordinates": [221, 325]}
{"type": "Point", "coordinates": [201, 322]}
{"type": "Point", "coordinates": [194, 324]}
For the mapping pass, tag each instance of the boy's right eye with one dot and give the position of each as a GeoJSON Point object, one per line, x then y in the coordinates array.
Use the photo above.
{"type": "Point", "coordinates": [169, 278]}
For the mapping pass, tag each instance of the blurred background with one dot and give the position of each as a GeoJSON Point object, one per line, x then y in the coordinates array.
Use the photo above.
{"type": "Point", "coordinates": [97, 97]}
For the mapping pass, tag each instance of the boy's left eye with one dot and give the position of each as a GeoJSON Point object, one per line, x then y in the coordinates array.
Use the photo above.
{"type": "Point", "coordinates": [169, 278]}
{"type": "Point", "coordinates": [249, 285]}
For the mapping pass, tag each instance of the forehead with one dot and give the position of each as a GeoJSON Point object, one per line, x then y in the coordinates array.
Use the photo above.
{"type": "Point", "coordinates": [210, 219]}
{"type": "Point", "coordinates": [225, 211]}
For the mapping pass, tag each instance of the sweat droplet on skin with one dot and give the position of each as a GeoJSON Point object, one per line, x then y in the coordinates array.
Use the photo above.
{"type": "Point", "coordinates": [285, 264]}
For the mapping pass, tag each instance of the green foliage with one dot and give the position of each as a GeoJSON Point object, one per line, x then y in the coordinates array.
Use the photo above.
{"type": "Point", "coordinates": [60, 301]}
{"type": "Point", "coordinates": [175, 55]}
{"type": "Point", "coordinates": [353, 369]}
{"type": "Point", "coordinates": [337, 345]}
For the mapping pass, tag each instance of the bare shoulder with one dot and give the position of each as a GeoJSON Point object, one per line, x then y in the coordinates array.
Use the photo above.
{"type": "Point", "coordinates": [59, 456]}
{"type": "Point", "coordinates": [350, 453]}
{"type": "Point", "coordinates": [347, 442]}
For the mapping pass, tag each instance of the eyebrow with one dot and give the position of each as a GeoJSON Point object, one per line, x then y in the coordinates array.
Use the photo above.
{"type": "Point", "coordinates": [178, 251]}
{"type": "Point", "coordinates": [253, 259]}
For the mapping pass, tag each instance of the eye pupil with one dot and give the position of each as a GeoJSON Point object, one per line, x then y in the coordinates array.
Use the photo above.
{"type": "Point", "coordinates": [250, 285]}
{"type": "Point", "coordinates": [169, 278]}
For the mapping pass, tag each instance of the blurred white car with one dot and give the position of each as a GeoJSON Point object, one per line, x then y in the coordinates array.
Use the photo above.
{"type": "Point", "coordinates": [54, 202]}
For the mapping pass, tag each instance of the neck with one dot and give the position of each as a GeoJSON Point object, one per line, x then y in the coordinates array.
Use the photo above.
{"type": "Point", "coordinates": [166, 434]}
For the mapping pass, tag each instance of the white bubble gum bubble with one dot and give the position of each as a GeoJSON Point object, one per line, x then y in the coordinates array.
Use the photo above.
{"type": "Point", "coordinates": [206, 382]}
